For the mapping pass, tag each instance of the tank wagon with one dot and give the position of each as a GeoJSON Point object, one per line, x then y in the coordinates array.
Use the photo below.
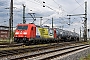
{"type": "Point", "coordinates": [31, 33]}
{"type": "Point", "coordinates": [65, 35]}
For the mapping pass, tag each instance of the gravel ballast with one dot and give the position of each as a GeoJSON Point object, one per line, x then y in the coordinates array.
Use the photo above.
{"type": "Point", "coordinates": [75, 55]}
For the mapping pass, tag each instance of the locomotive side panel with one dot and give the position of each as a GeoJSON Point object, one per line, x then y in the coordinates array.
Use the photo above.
{"type": "Point", "coordinates": [43, 32]}
{"type": "Point", "coordinates": [31, 32]}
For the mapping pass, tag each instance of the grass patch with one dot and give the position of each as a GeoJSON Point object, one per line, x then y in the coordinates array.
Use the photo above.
{"type": "Point", "coordinates": [86, 58]}
{"type": "Point", "coordinates": [88, 42]}
{"type": "Point", "coordinates": [2, 41]}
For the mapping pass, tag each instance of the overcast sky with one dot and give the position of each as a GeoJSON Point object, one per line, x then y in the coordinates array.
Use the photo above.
{"type": "Point", "coordinates": [56, 9]}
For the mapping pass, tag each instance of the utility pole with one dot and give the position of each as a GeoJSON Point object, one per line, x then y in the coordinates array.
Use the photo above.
{"type": "Point", "coordinates": [24, 21]}
{"type": "Point", "coordinates": [52, 28]}
{"type": "Point", "coordinates": [41, 21]}
{"type": "Point", "coordinates": [10, 30]}
{"type": "Point", "coordinates": [80, 34]}
{"type": "Point", "coordinates": [52, 23]}
{"type": "Point", "coordinates": [88, 33]}
{"type": "Point", "coordinates": [11, 21]}
{"type": "Point", "coordinates": [85, 21]}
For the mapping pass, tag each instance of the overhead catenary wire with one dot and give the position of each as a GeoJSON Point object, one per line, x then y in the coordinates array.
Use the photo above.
{"type": "Point", "coordinates": [56, 3]}
{"type": "Point", "coordinates": [39, 2]}
{"type": "Point", "coordinates": [60, 6]}
{"type": "Point", "coordinates": [79, 3]}
{"type": "Point", "coordinates": [44, 4]}
{"type": "Point", "coordinates": [36, 3]}
{"type": "Point", "coordinates": [76, 8]}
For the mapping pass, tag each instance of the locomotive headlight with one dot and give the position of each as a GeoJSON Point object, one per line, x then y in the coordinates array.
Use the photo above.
{"type": "Point", "coordinates": [17, 33]}
{"type": "Point", "coordinates": [25, 33]}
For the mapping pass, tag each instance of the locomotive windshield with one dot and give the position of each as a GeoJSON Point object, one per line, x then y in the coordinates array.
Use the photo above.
{"type": "Point", "coordinates": [22, 27]}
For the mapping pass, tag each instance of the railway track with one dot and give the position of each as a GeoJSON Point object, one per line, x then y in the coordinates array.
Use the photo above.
{"type": "Point", "coordinates": [52, 53]}
{"type": "Point", "coordinates": [10, 45]}
{"type": "Point", "coordinates": [36, 52]}
{"type": "Point", "coordinates": [24, 50]}
{"type": "Point", "coordinates": [6, 45]}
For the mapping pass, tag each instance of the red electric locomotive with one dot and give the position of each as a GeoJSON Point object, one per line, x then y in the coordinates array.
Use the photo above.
{"type": "Point", "coordinates": [31, 33]}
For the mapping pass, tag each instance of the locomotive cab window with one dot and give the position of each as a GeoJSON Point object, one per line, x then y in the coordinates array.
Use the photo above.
{"type": "Point", "coordinates": [22, 27]}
